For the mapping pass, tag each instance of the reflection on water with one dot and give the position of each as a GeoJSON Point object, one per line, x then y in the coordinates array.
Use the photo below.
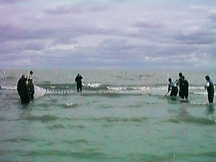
{"type": "Point", "coordinates": [210, 112]}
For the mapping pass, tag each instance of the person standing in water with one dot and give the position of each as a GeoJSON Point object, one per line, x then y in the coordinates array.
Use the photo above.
{"type": "Point", "coordinates": [184, 88]}
{"type": "Point", "coordinates": [31, 85]}
{"type": "Point", "coordinates": [180, 81]}
{"type": "Point", "coordinates": [210, 89]}
{"type": "Point", "coordinates": [23, 89]}
{"type": "Point", "coordinates": [78, 81]}
{"type": "Point", "coordinates": [173, 87]}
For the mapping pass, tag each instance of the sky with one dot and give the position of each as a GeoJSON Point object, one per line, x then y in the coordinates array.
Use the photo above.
{"type": "Point", "coordinates": [108, 34]}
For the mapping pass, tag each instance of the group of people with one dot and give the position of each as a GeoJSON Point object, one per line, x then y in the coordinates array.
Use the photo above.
{"type": "Point", "coordinates": [182, 86]}
{"type": "Point", "coordinates": [25, 88]}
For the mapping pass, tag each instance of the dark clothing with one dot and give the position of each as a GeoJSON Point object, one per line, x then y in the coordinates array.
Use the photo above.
{"type": "Point", "coordinates": [23, 91]}
{"type": "Point", "coordinates": [184, 89]}
{"type": "Point", "coordinates": [31, 88]}
{"type": "Point", "coordinates": [210, 90]}
{"type": "Point", "coordinates": [174, 89]}
{"type": "Point", "coordinates": [180, 81]}
{"type": "Point", "coordinates": [210, 99]}
{"type": "Point", "coordinates": [78, 80]}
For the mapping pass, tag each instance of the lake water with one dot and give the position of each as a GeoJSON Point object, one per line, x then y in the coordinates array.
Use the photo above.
{"type": "Point", "coordinates": [119, 116]}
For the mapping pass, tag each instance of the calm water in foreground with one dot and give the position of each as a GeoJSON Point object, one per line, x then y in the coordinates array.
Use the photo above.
{"type": "Point", "coordinates": [119, 116]}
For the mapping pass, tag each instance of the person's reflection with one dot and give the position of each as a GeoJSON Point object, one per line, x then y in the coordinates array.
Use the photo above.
{"type": "Point", "coordinates": [210, 111]}
{"type": "Point", "coordinates": [183, 112]}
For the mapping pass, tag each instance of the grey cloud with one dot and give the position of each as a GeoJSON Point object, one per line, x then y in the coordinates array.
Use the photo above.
{"type": "Point", "coordinates": [197, 37]}
{"type": "Point", "coordinates": [77, 9]}
{"type": "Point", "coordinates": [20, 50]}
{"type": "Point", "coordinates": [151, 29]}
{"type": "Point", "coordinates": [35, 40]}
{"type": "Point", "coordinates": [64, 40]}
{"type": "Point", "coordinates": [212, 16]}
{"type": "Point", "coordinates": [114, 45]}
{"type": "Point", "coordinates": [97, 8]}
{"type": "Point", "coordinates": [148, 24]}
{"type": "Point", "coordinates": [34, 46]}
{"type": "Point", "coordinates": [107, 53]}
{"type": "Point", "coordinates": [12, 32]}
{"type": "Point", "coordinates": [64, 10]}
{"type": "Point", "coordinates": [175, 54]}
{"type": "Point", "coordinates": [211, 53]}
{"type": "Point", "coordinates": [199, 7]}
{"type": "Point", "coordinates": [8, 1]}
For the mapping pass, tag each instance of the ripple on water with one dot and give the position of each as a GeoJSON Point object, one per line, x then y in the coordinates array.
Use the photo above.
{"type": "Point", "coordinates": [192, 120]}
{"type": "Point", "coordinates": [56, 126]}
{"type": "Point", "coordinates": [43, 118]}
{"type": "Point", "coordinates": [70, 105]}
{"type": "Point", "coordinates": [78, 141]}
{"type": "Point", "coordinates": [18, 140]}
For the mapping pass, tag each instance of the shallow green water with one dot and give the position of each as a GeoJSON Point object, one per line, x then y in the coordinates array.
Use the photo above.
{"type": "Point", "coordinates": [124, 117]}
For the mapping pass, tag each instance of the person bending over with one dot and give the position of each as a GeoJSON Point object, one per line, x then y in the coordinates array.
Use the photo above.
{"type": "Point", "coordinates": [172, 87]}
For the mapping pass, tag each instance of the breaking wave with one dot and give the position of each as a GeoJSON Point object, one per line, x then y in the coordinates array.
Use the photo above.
{"type": "Point", "coordinates": [98, 88]}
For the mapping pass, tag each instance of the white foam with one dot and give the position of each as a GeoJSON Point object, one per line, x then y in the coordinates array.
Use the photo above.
{"type": "Point", "coordinates": [200, 93]}
{"type": "Point", "coordinates": [39, 91]}
{"type": "Point", "coordinates": [140, 88]}
{"type": "Point", "coordinates": [197, 88]}
{"type": "Point", "coordinates": [69, 104]}
{"type": "Point", "coordinates": [116, 88]}
{"type": "Point", "coordinates": [9, 87]}
{"type": "Point", "coordinates": [93, 85]}
{"type": "Point", "coordinates": [52, 87]}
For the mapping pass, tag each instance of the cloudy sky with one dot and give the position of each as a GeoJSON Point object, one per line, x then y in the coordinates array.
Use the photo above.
{"type": "Point", "coordinates": [108, 34]}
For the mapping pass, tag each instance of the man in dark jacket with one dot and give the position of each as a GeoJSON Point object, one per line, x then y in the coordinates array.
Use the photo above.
{"type": "Point", "coordinates": [78, 81]}
{"type": "Point", "coordinates": [23, 90]}
{"type": "Point", "coordinates": [180, 81]}
{"type": "Point", "coordinates": [184, 88]}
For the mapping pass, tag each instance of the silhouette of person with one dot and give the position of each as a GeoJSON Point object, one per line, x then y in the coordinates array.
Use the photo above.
{"type": "Point", "coordinates": [210, 88]}
{"type": "Point", "coordinates": [31, 85]}
{"type": "Point", "coordinates": [173, 87]}
{"type": "Point", "coordinates": [78, 81]}
{"type": "Point", "coordinates": [180, 80]}
{"type": "Point", "coordinates": [23, 90]}
{"type": "Point", "coordinates": [184, 88]}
